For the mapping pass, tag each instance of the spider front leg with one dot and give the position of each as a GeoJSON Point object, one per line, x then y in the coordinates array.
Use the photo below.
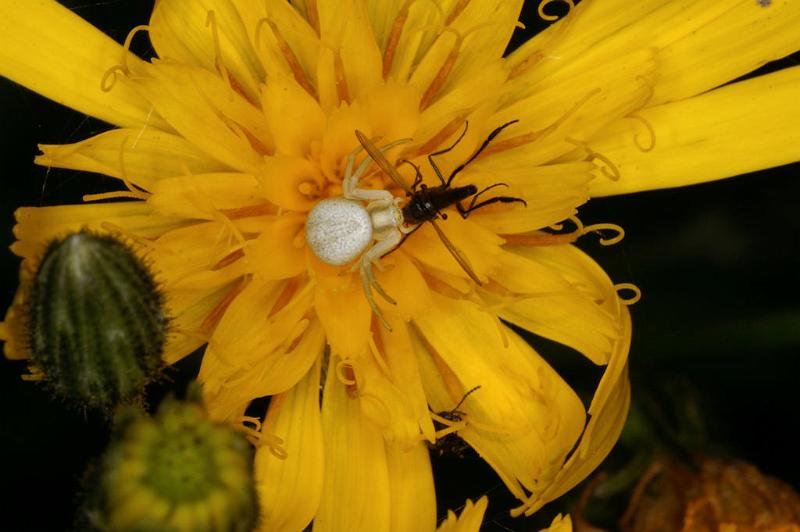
{"type": "Point", "coordinates": [351, 179]}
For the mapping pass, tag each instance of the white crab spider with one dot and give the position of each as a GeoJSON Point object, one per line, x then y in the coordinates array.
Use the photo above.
{"type": "Point", "coordinates": [340, 229]}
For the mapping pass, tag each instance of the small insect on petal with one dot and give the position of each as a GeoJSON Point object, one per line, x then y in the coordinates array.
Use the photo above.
{"type": "Point", "coordinates": [96, 324]}
{"type": "Point", "coordinates": [425, 204]}
{"type": "Point", "coordinates": [447, 424]}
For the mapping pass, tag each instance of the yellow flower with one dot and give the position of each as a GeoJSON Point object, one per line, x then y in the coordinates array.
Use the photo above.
{"type": "Point", "coordinates": [245, 122]}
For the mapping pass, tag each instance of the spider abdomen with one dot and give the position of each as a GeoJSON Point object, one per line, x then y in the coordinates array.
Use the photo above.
{"type": "Point", "coordinates": [338, 230]}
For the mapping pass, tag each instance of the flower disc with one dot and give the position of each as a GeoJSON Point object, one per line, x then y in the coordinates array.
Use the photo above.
{"type": "Point", "coordinates": [176, 471]}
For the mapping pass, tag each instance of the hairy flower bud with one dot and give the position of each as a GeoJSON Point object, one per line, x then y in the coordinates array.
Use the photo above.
{"type": "Point", "coordinates": [96, 322]}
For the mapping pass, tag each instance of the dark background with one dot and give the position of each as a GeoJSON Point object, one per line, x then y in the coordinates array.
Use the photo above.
{"type": "Point", "coordinates": [717, 263]}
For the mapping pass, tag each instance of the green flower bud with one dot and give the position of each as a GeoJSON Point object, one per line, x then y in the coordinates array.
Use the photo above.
{"type": "Point", "coordinates": [177, 471]}
{"type": "Point", "coordinates": [95, 320]}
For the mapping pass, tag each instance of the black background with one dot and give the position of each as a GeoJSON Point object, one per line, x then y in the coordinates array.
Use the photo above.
{"type": "Point", "coordinates": [717, 263]}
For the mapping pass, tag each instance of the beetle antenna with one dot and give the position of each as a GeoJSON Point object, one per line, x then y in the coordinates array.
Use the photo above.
{"type": "Point", "coordinates": [441, 152]}
{"type": "Point", "coordinates": [467, 394]}
{"type": "Point", "coordinates": [482, 147]}
{"type": "Point", "coordinates": [417, 175]}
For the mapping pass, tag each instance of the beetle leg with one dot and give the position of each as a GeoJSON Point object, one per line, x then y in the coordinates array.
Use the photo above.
{"type": "Point", "coordinates": [465, 211]}
{"type": "Point", "coordinates": [441, 152]}
{"type": "Point", "coordinates": [496, 131]}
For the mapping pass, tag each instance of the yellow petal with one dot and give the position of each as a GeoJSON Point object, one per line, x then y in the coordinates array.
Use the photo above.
{"type": "Point", "coordinates": [581, 316]}
{"type": "Point", "coordinates": [276, 254]}
{"type": "Point", "coordinates": [182, 30]}
{"type": "Point", "coordinates": [345, 28]}
{"type": "Point", "coordinates": [476, 244]}
{"type": "Point", "coordinates": [412, 42]}
{"type": "Point", "coordinates": [13, 330]}
{"type": "Point", "coordinates": [699, 45]}
{"type": "Point", "coordinates": [561, 523]}
{"type": "Point", "coordinates": [203, 196]}
{"type": "Point", "coordinates": [283, 101]}
{"type": "Point", "coordinates": [524, 418]}
{"type": "Point", "coordinates": [405, 284]}
{"type": "Point", "coordinates": [439, 114]}
{"type": "Point", "coordinates": [388, 112]}
{"type": "Point", "coordinates": [530, 454]}
{"type": "Point", "coordinates": [242, 337]}
{"type": "Point", "coordinates": [345, 314]}
{"type": "Point", "coordinates": [246, 348]}
{"type": "Point", "coordinates": [480, 31]}
{"type": "Point", "coordinates": [470, 519]}
{"type": "Point", "coordinates": [187, 310]}
{"type": "Point", "coordinates": [486, 27]}
{"type": "Point", "coordinates": [552, 192]}
{"type": "Point", "coordinates": [608, 412]}
{"type": "Point", "coordinates": [524, 276]}
{"type": "Point", "coordinates": [411, 483]}
{"type": "Point", "coordinates": [356, 493]}
{"type": "Point", "coordinates": [290, 488]}
{"type": "Point", "coordinates": [558, 112]}
{"type": "Point", "coordinates": [283, 179]}
{"type": "Point", "coordinates": [187, 251]}
{"type": "Point", "coordinates": [747, 126]}
{"type": "Point", "coordinates": [38, 225]}
{"type": "Point", "coordinates": [396, 408]}
{"type": "Point", "coordinates": [403, 366]}
{"type": "Point", "coordinates": [184, 264]}
{"type": "Point", "coordinates": [50, 50]}
{"type": "Point", "coordinates": [294, 37]}
{"type": "Point", "coordinates": [201, 107]}
{"type": "Point", "coordinates": [382, 15]}
{"type": "Point", "coordinates": [140, 155]}
{"type": "Point", "coordinates": [730, 45]}
{"type": "Point", "coordinates": [229, 388]}
{"type": "Point", "coordinates": [597, 31]}
{"type": "Point", "coordinates": [201, 280]}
